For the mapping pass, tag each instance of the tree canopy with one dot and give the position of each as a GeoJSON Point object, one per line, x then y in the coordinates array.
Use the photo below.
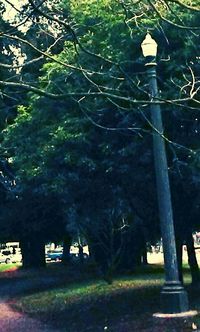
{"type": "Point", "coordinates": [80, 130]}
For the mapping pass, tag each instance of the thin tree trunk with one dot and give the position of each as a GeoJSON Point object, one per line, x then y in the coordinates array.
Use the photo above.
{"type": "Point", "coordinates": [66, 249]}
{"type": "Point", "coordinates": [144, 255]}
{"type": "Point", "coordinates": [80, 254]}
{"type": "Point", "coordinates": [179, 251]}
{"type": "Point", "coordinates": [192, 261]}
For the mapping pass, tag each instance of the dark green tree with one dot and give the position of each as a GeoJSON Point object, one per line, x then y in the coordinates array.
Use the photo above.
{"type": "Point", "coordinates": [91, 143]}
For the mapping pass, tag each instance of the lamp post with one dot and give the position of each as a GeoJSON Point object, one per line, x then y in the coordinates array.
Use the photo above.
{"type": "Point", "coordinates": [173, 296]}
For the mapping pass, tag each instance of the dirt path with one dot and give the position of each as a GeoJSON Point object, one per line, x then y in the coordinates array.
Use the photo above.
{"type": "Point", "coordinates": [11, 320]}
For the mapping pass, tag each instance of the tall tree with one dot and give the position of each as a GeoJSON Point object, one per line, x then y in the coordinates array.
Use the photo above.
{"type": "Point", "coordinates": [98, 116]}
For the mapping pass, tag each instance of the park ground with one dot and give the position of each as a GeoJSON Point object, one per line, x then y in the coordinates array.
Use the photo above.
{"type": "Point", "coordinates": [76, 299]}
{"type": "Point", "coordinates": [157, 258]}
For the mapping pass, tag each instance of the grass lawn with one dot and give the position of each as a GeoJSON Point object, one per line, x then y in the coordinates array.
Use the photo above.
{"type": "Point", "coordinates": [8, 267]}
{"type": "Point", "coordinates": [86, 303]}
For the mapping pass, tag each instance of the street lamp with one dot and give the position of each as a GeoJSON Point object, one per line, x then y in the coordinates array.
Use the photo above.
{"type": "Point", "coordinates": [173, 296]}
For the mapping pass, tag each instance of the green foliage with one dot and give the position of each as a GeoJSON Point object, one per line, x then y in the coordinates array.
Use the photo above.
{"type": "Point", "coordinates": [94, 153]}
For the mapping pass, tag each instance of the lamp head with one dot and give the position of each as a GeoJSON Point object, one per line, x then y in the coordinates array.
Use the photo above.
{"type": "Point", "coordinates": [149, 46]}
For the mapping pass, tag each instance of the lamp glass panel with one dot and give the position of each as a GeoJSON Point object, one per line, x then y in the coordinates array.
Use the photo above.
{"type": "Point", "coordinates": [149, 46]}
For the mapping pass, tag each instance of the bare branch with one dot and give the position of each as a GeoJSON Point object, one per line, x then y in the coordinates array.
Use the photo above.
{"type": "Point", "coordinates": [176, 102]}
{"type": "Point", "coordinates": [45, 54]}
{"type": "Point", "coordinates": [154, 129]}
{"type": "Point", "coordinates": [71, 30]}
{"type": "Point", "coordinates": [171, 22]}
{"type": "Point", "coordinates": [184, 5]}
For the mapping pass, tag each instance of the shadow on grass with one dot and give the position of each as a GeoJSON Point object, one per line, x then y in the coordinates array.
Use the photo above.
{"type": "Point", "coordinates": [126, 305]}
{"type": "Point", "coordinates": [126, 310]}
{"type": "Point", "coordinates": [84, 315]}
{"type": "Point", "coordinates": [82, 312]}
{"type": "Point", "coordinates": [20, 282]}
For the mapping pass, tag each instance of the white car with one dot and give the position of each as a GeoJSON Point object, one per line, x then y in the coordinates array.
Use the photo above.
{"type": "Point", "coordinates": [7, 257]}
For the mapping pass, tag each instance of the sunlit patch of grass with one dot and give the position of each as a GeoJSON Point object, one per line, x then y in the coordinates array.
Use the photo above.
{"type": "Point", "coordinates": [8, 267]}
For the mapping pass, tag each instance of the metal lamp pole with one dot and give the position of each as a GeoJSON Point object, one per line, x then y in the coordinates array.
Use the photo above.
{"type": "Point", "coordinates": [173, 296]}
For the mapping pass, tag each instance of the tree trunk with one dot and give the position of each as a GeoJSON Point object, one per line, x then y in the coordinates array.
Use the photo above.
{"type": "Point", "coordinates": [33, 252]}
{"type": "Point", "coordinates": [25, 250]}
{"type": "Point", "coordinates": [66, 249]}
{"type": "Point", "coordinates": [144, 255]}
{"type": "Point", "coordinates": [179, 251]}
{"type": "Point", "coordinates": [192, 261]}
{"type": "Point", "coordinates": [80, 254]}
